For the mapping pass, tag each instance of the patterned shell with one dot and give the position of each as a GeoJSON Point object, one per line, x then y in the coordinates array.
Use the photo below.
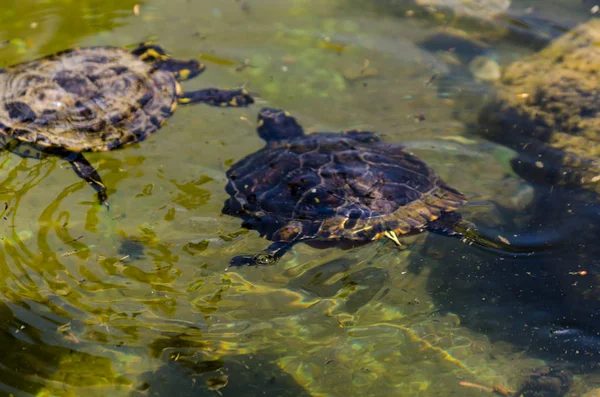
{"type": "Point", "coordinates": [88, 99]}
{"type": "Point", "coordinates": [330, 186]}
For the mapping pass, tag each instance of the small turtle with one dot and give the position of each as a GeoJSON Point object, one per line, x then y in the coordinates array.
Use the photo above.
{"type": "Point", "coordinates": [331, 187]}
{"type": "Point", "coordinates": [96, 99]}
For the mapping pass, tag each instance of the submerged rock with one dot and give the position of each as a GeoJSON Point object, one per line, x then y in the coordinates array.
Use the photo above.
{"type": "Point", "coordinates": [485, 68]}
{"type": "Point", "coordinates": [242, 375]}
{"type": "Point", "coordinates": [471, 8]}
{"type": "Point", "coordinates": [474, 8]}
{"type": "Point", "coordinates": [546, 108]}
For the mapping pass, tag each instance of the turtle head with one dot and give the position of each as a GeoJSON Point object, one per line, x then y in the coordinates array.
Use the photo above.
{"type": "Point", "coordinates": [181, 70]}
{"type": "Point", "coordinates": [276, 125]}
{"type": "Point", "coordinates": [155, 54]}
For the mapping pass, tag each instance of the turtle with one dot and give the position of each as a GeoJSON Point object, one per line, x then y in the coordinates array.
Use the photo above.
{"type": "Point", "coordinates": [348, 188]}
{"type": "Point", "coordinates": [96, 99]}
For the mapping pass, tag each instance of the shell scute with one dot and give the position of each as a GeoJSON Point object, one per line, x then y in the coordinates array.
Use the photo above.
{"type": "Point", "coordinates": [313, 160]}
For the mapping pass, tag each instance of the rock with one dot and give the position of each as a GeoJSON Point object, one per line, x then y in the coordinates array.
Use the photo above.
{"type": "Point", "coordinates": [592, 393]}
{"type": "Point", "coordinates": [546, 108]}
{"type": "Point", "coordinates": [485, 68]}
{"type": "Point", "coordinates": [472, 8]}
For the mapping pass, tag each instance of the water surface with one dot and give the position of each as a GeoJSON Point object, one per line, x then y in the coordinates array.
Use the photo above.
{"type": "Point", "coordinates": [139, 298]}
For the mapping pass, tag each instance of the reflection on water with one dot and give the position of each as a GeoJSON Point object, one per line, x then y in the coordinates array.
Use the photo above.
{"type": "Point", "coordinates": [42, 27]}
{"type": "Point", "coordinates": [138, 300]}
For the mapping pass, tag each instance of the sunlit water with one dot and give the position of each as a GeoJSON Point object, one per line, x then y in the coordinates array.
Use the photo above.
{"type": "Point", "coordinates": [138, 299]}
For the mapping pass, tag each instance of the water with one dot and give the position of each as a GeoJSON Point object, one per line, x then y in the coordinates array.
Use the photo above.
{"type": "Point", "coordinates": [139, 299]}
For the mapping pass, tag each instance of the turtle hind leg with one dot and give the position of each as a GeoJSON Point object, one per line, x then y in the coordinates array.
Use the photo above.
{"type": "Point", "coordinates": [451, 224]}
{"type": "Point", "coordinates": [85, 171]}
{"type": "Point", "coordinates": [217, 97]}
{"type": "Point", "coordinates": [446, 225]}
{"type": "Point", "coordinates": [270, 256]}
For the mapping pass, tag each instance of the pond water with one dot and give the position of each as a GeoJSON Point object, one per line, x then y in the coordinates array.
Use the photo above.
{"type": "Point", "coordinates": [139, 299]}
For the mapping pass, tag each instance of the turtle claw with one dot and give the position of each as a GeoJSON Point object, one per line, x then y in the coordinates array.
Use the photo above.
{"type": "Point", "coordinates": [102, 198]}
{"type": "Point", "coordinates": [261, 259]}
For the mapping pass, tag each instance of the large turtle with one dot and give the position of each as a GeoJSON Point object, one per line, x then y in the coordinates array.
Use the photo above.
{"type": "Point", "coordinates": [96, 99]}
{"type": "Point", "coordinates": [330, 187]}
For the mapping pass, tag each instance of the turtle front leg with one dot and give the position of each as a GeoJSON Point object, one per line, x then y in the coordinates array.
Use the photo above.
{"type": "Point", "coordinates": [218, 97]}
{"type": "Point", "coordinates": [268, 257]}
{"type": "Point", "coordinates": [85, 171]}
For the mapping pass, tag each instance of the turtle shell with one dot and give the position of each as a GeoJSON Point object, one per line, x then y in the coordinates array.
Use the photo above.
{"type": "Point", "coordinates": [88, 99]}
{"type": "Point", "coordinates": [332, 186]}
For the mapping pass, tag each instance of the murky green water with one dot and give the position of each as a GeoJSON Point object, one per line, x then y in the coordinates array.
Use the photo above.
{"type": "Point", "coordinates": [83, 311]}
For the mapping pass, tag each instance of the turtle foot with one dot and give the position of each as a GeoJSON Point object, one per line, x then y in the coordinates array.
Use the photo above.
{"type": "Point", "coordinates": [261, 259]}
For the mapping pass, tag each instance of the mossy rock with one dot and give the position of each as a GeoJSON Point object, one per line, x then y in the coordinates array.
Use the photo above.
{"type": "Point", "coordinates": [546, 108]}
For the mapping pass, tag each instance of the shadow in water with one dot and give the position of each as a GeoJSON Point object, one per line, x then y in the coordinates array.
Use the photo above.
{"type": "Point", "coordinates": [546, 301]}
{"type": "Point", "coordinates": [187, 372]}
{"type": "Point", "coordinates": [336, 277]}
{"type": "Point", "coordinates": [31, 361]}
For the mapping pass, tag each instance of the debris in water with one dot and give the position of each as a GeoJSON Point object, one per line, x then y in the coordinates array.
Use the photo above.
{"type": "Point", "coordinates": [364, 72]}
{"type": "Point", "coordinates": [504, 240]}
{"type": "Point", "coordinates": [328, 45]}
{"type": "Point", "coordinates": [217, 382]}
